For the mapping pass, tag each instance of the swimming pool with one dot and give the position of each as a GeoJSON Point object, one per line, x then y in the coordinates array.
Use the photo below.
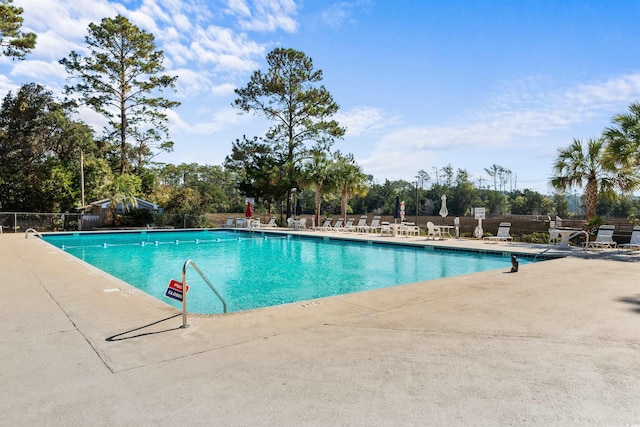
{"type": "Point", "coordinates": [253, 270]}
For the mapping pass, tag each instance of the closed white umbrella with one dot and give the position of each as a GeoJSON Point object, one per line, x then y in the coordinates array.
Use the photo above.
{"type": "Point", "coordinates": [443, 212]}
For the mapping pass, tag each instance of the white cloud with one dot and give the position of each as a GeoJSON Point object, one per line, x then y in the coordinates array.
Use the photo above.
{"type": "Point", "coordinates": [336, 16]}
{"type": "Point", "coordinates": [175, 120]}
{"type": "Point", "coordinates": [597, 97]}
{"type": "Point", "coordinates": [69, 20]}
{"type": "Point", "coordinates": [239, 7]}
{"type": "Point", "coordinates": [93, 119]}
{"type": "Point", "coordinates": [360, 120]}
{"type": "Point", "coordinates": [225, 49]}
{"type": "Point", "coordinates": [52, 46]}
{"type": "Point", "coordinates": [194, 46]}
{"type": "Point", "coordinates": [264, 15]}
{"type": "Point", "coordinates": [6, 85]}
{"type": "Point", "coordinates": [223, 89]}
{"type": "Point", "coordinates": [511, 122]}
{"type": "Point", "coordinates": [42, 71]}
{"type": "Point", "coordinates": [61, 25]}
{"type": "Point", "coordinates": [216, 122]}
{"type": "Point", "coordinates": [190, 83]}
{"type": "Point", "coordinates": [340, 14]}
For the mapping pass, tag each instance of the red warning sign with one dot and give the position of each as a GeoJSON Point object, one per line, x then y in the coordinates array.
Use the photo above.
{"type": "Point", "coordinates": [175, 290]}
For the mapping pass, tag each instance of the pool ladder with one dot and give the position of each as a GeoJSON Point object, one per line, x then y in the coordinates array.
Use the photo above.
{"type": "Point", "coordinates": [184, 292]}
{"type": "Point", "coordinates": [34, 231]}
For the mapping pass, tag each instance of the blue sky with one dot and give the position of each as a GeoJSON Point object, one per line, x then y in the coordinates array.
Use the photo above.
{"type": "Point", "coordinates": [421, 84]}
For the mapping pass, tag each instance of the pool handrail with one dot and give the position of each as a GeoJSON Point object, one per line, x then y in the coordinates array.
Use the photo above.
{"type": "Point", "coordinates": [184, 290]}
{"type": "Point", "coordinates": [576, 233]}
{"type": "Point", "coordinates": [26, 233]}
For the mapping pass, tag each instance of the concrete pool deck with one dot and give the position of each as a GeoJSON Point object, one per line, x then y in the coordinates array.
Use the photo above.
{"type": "Point", "coordinates": [556, 343]}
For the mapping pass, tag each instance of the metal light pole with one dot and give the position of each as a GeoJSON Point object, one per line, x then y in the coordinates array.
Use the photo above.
{"type": "Point", "coordinates": [294, 195]}
{"type": "Point", "coordinates": [82, 177]}
{"type": "Point", "coordinates": [417, 202]}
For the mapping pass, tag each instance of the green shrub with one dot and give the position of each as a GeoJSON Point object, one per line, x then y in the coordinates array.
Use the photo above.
{"type": "Point", "coordinates": [535, 237]}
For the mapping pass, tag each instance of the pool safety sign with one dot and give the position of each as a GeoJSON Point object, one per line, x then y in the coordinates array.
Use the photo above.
{"type": "Point", "coordinates": [175, 290]}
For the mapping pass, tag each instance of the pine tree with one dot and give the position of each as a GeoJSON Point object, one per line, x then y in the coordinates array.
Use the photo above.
{"type": "Point", "coordinates": [119, 79]}
{"type": "Point", "coordinates": [14, 42]}
{"type": "Point", "coordinates": [289, 94]}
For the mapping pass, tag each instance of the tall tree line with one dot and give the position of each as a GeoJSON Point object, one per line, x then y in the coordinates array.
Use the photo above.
{"type": "Point", "coordinates": [122, 77]}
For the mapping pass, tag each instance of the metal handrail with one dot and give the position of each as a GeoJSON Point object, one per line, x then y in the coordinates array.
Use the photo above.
{"type": "Point", "coordinates": [578, 232]}
{"type": "Point", "coordinates": [586, 235]}
{"type": "Point", "coordinates": [184, 290]}
{"type": "Point", "coordinates": [26, 233]}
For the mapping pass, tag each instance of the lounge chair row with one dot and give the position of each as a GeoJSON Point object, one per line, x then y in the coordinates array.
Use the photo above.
{"type": "Point", "coordinates": [376, 226]}
{"type": "Point", "coordinates": [360, 227]}
{"type": "Point", "coordinates": [604, 239]}
{"type": "Point", "coordinates": [248, 223]}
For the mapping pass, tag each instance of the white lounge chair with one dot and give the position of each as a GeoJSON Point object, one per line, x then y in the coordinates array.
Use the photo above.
{"type": "Point", "coordinates": [604, 238]}
{"type": "Point", "coordinates": [270, 224]}
{"type": "Point", "coordinates": [385, 229]}
{"type": "Point", "coordinates": [432, 231]}
{"type": "Point", "coordinates": [634, 243]}
{"type": "Point", "coordinates": [338, 225]}
{"type": "Point", "coordinates": [362, 226]}
{"type": "Point", "coordinates": [502, 235]}
{"type": "Point", "coordinates": [326, 225]}
{"type": "Point", "coordinates": [229, 223]}
{"type": "Point", "coordinates": [349, 225]}
{"type": "Point", "coordinates": [375, 225]}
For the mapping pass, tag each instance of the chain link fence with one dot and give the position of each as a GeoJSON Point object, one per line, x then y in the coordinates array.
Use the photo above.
{"type": "Point", "coordinates": [19, 222]}
{"type": "Point", "coordinates": [181, 221]}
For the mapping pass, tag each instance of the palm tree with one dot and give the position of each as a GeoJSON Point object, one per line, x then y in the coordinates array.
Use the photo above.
{"type": "Point", "coordinates": [623, 148]}
{"type": "Point", "coordinates": [124, 190]}
{"type": "Point", "coordinates": [577, 164]}
{"type": "Point", "coordinates": [350, 180]}
{"type": "Point", "coordinates": [318, 175]}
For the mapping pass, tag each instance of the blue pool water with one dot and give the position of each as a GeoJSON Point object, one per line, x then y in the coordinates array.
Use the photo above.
{"type": "Point", "coordinates": [252, 270]}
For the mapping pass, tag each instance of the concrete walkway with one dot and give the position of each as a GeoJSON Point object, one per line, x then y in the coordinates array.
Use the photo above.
{"type": "Point", "coordinates": [557, 343]}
